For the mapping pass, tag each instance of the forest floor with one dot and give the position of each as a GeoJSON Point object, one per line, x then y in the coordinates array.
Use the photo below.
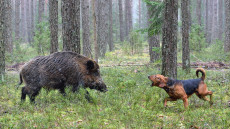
{"type": "Point", "coordinates": [129, 103]}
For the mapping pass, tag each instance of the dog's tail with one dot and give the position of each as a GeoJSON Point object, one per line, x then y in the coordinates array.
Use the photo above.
{"type": "Point", "coordinates": [202, 71]}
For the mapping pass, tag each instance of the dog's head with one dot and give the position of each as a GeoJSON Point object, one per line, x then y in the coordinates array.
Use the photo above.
{"type": "Point", "coordinates": [158, 80]}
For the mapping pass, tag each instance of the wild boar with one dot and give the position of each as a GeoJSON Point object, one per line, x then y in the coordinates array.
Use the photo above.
{"type": "Point", "coordinates": [58, 70]}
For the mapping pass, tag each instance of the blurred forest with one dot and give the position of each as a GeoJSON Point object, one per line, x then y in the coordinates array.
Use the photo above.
{"type": "Point", "coordinates": [96, 27]}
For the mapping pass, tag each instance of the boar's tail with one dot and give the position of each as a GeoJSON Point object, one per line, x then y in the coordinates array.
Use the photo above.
{"type": "Point", "coordinates": [21, 81]}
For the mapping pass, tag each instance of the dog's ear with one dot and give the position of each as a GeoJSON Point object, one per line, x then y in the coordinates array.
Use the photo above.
{"type": "Point", "coordinates": [163, 82]}
{"type": "Point", "coordinates": [162, 85]}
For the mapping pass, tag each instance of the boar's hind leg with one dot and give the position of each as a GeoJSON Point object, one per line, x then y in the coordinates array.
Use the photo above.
{"type": "Point", "coordinates": [32, 92]}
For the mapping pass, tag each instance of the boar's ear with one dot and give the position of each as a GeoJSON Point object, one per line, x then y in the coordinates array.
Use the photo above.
{"type": "Point", "coordinates": [90, 64]}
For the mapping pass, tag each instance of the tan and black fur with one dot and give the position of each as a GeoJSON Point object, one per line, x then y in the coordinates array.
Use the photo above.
{"type": "Point", "coordinates": [182, 89]}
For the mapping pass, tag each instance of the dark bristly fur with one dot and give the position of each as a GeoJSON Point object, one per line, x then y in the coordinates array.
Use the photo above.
{"type": "Point", "coordinates": [57, 70]}
{"type": "Point", "coordinates": [182, 89]}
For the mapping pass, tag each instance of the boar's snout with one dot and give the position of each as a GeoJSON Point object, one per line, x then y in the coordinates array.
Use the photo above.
{"type": "Point", "coordinates": [101, 87]}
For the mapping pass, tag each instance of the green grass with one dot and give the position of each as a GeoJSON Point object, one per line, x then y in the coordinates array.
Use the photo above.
{"type": "Point", "coordinates": [129, 103]}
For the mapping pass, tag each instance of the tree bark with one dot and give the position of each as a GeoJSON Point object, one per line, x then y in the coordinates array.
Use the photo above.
{"type": "Point", "coordinates": [227, 26]}
{"type": "Point", "coordinates": [23, 21]}
{"type": "Point", "coordinates": [207, 20]}
{"type": "Point", "coordinates": [111, 46]}
{"type": "Point", "coordinates": [8, 26]}
{"type": "Point", "coordinates": [220, 20]}
{"type": "Point", "coordinates": [85, 28]}
{"type": "Point", "coordinates": [185, 35]}
{"type": "Point", "coordinates": [102, 25]}
{"type": "Point", "coordinates": [210, 23]}
{"type": "Point", "coordinates": [139, 13]}
{"type": "Point", "coordinates": [169, 44]}
{"type": "Point", "coordinates": [153, 40]}
{"type": "Point", "coordinates": [215, 21]}
{"type": "Point", "coordinates": [17, 20]}
{"type": "Point", "coordinates": [2, 42]}
{"type": "Point", "coordinates": [122, 32]}
{"type": "Point", "coordinates": [130, 16]}
{"type": "Point", "coordinates": [71, 25]}
{"type": "Point", "coordinates": [32, 20]}
{"type": "Point", "coordinates": [53, 20]}
{"type": "Point", "coordinates": [28, 20]}
{"type": "Point", "coordinates": [96, 50]}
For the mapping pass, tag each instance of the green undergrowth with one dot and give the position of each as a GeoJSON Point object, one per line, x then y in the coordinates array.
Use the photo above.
{"type": "Point", "coordinates": [129, 103]}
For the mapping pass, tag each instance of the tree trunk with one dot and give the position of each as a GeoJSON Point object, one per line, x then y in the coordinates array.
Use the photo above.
{"type": "Point", "coordinates": [96, 51]}
{"type": "Point", "coordinates": [139, 13]}
{"type": "Point", "coordinates": [102, 25]}
{"type": "Point", "coordinates": [8, 26]}
{"type": "Point", "coordinates": [111, 46]}
{"type": "Point", "coordinates": [122, 32]}
{"type": "Point", "coordinates": [185, 35]}
{"type": "Point", "coordinates": [32, 20]}
{"type": "Point", "coordinates": [207, 20]}
{"type": "Point", "coordinates": [215, 21]}
{"type": "Point", "coordinates": [2, 42]}
{"type": "Point", "coordinates": [130, 16]}
{"type": "Point", "coordinates": [210, 18]}
{"type": "Point", "coordinates": [169, 44]}
{"type": "Point", "coordinates": [85, 28]}
{"type": "Point", "coordinates": [198, 12]}
{"type": "Point", "coordinates": [53, 20]}
{"type": "Point", "coordinates": [126, 25]}
{"type": "Point", "coordinates": [71, 25]}
{"type": "Point", "coordinates": [17, 20]}
{"type": "Point", "coordinates": [28, 20]}
{"type": "Point", "coordinates": [153, 40]}
{"type": "Point", "coordinates": [220, 20]}
{"type": "Point", "coordinates": [23, 21]}
{"type": "Point", "coordinates": [227, 26]}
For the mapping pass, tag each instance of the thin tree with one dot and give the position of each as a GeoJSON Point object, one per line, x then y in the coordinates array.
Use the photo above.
{"type": "Point", "coordinates": [86, 28]}
{"type": "Point", "coordinates": [153, 40]}
{"type": "Point", "coordinates": [169, 41]}
{"type": "Point", "coordinates": [102, 25]}
{"type": "Point", "coordinates": [32, 20]}
{"type": "Point", "coordinates": [215, 21]}
{"type": "Point", "coordinates": [198, 14]}
{"type": "Point", "coordinates": [122, 31]}
{"type": "Point", "coordinates": [2, 42]}
{"type": "Point", "coordinates": [130, 15]}
{"type": "Point", "coordinates": [227, 26]}
{"type": "Point", "coordinates": [71, 25]}
{"type": "Point", "coordinates": [53, 20]}
{"type": "Point", "coordinates": [210, 23]}
{"type": "Point", "coordinates": [96, 50]}
{"type": "Point", "coordinates": [28, 20]}
{"type": "Point", "coordinates": [8, 26]}
{"type": "Point", "coordinates": [139, 13]}
{"type": "Point", "coordinates": [23, 21]}
{"type": "Point", "coordinates": [220, 20]}
{"type": "Point", "coordinates": [111, 45]}
{"type": "Point", "coordinates": [185, 35]}
{"type": "Point", "coordinates": [17, 20]}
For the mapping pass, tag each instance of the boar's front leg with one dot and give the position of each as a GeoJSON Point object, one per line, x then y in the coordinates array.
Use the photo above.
{"type": "Point", "coordinates": [87, 95]}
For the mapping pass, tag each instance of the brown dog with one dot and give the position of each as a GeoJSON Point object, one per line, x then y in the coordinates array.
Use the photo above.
{"type": "Point", "coordinates": [182, 89]}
